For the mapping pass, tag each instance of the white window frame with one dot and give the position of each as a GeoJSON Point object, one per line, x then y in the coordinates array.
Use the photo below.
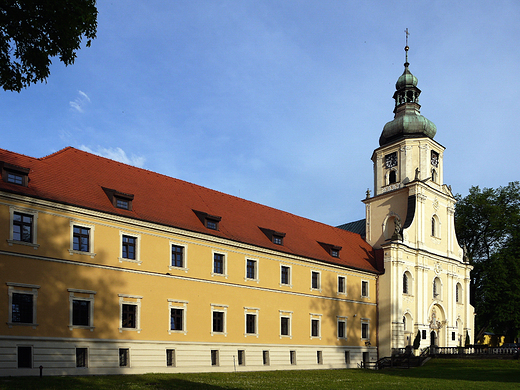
{"type": "Point", "coordinates": [182, 305]}
{"type": "Point", "coordinates": [290, 276]}
{"type": "Point", "coordinates": [174, 357]}
{"type": "Point", "coordinates": [34, 213]}
{"type": "Point", "coordinates": [91, 252]}
{"type": "Point", "coordinates": [315, 316]}
{"type": "Point", "coordinates": [87, 360]}
{"type": "Point", "coordinates": [254, 311]}
{"type": "Point", "coordinates": [319, 280]}
{"type": "Point", "coordinates": [344, 320]}
{"type": "Point", "coordinates": [286, 314]}
{"type": "Point", "coordinates": [368, 289]}
{"type": "Point", "coordinates": [344, 285]}
{"type": "Point", "coordinates": [125, 299]}
{"type": "Point", "coordinates": [184, 256]}
{"type": "Point", "coordinates": [137, 249]}
{"type": "Point", "coordinates": [22, 288]}
{"type": "Point", "coordinates": [221, 308]}
{"type": "Point", "coordinates": [81, 297]}
{"type": "Point", "coordinates": [128, 359]}
{"type": "Point", "coordinates": [224, 265]}
{"type": "Point", "coordinates": [365, 321]}
{"type": "Point", "coordinates": [255, 278]}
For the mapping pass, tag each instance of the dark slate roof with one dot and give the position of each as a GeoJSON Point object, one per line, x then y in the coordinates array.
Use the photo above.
{"type": "Point", "coordinates": [358, 227]}
{"type": "Point", "coordinates": [74, 177]}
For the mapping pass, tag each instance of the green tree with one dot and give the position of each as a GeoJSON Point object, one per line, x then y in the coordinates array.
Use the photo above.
{"type": "Point", "coordinates": [417, 340]}
{"type": "Point", "coordinates": [33, 31]}
{"type": "Point", "coordinates": [488, 227]}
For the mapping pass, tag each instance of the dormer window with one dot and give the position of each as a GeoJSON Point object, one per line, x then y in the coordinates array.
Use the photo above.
{"type": "Point", "coordinates": [119, 199]}
{"type": "Point", "coordinates": [273, 235]}
{"type": "Point", "coordinates": [332, 250]}
{"type": "Point", "coordinates": [15, 175]}
{"type": "Point", "coordinates": [209, 221]}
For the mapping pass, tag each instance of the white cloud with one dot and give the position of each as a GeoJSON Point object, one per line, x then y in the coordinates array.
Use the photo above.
{"type": "Point", "coordinates": [80, 102]}
{"type": "Point", "coordinates": [116, 154]}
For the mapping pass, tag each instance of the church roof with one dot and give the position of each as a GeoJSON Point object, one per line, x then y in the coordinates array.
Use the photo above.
{"type": "Point", "coordinates": [74, 177]}
{"type": "Point", "coordinates": [359, 227]}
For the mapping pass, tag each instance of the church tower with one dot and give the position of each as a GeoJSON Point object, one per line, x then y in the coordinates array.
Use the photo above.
{"type": "Point", "coordinates": [410, 218]}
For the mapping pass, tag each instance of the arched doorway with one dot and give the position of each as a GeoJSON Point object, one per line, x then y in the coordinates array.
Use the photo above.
{"type": "Point", "coordinates": [433, 339]}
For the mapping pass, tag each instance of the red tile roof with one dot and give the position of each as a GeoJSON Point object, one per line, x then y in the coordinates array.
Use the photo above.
{"type": "Point", "coordinates": [74, 177]}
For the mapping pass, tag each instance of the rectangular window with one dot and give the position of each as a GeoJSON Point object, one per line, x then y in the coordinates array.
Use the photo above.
{"type": "Point", "coordinates": [24, 357]}
{"type": "Point", "coordinates": [292, 357]}
{"type": "Point", "coordinates": [341, 285]}
{"type": "Point", "coordinates": [177, 256]}
{"type": "Point", "coordinates": [122, 204]}
{"type": "Point", "coordinates": [212, 224]}
{"type": "Point", "coordinates": [129, 247]}
{"type": "Point", "coordinates": [22, 308]}
{"type": "Point", "coordinates": [15, 178]}
{"type": "Point", "coordinates": [424, 334]}
{"type": "Point", "coordinates": [315, 280]}
{"type": "Point", "coordinates": [347, 357]}
{"type": "Point", "coordinates": [22, 227]}
{"type": "Point", "coordinates": [129, 316]}
{"type": "Point", "coordinates": [265, 358]}
{"type": "Point", "coordinates": [251, 269]}
{"type": "Point", "coordinates": [176, 319]}
{"type": "Point", "coordinates": [342, 327]}
{"type": "Point", "coordinates": [364, 288]}
{"type": "Point", "coordinates": [364, 330]}
{"type": "Point", "coordinates": [81, 357]}
{"type": "Point", "coordinates": [81, 239]}
{"type": "Point", "coordinates": [218, 321]}
{"type": "Point", "coordinates": [285, 275]}
{"type": "Point", "coordinates": [170, 357]}
{"type": "Point", "coordinates": [218, 263]}
{"type": "Point", "coordinates": [241, 357]}
{"type": "Point", "coordinates": [80, 312]}
{"type": "Point", "coordinates": [124, 357]}
{"type": "Point", "coordinates": [251, 323]}
{"type": "Point", "coordinates": [214, 357]}
{"type": "Point", "coordinates": [278, 240]}
{"type": "Point", "coordinates": [453, 336]}
{"type": "Point", "coordinates": [284, 326]}
{"type": "Point", "coordinates": [319, 357]}
{"type": "Point", "coordinates": [315, 328]}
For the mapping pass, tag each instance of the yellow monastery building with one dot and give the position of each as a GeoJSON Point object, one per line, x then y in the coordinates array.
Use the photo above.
{"type": "Point", "coordinates": [107, 268]}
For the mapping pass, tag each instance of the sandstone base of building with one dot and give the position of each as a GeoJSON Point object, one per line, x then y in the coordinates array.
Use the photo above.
{"type": "Point", "coordinates": [58, 357]}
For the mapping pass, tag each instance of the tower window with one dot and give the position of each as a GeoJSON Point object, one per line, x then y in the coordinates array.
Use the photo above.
{"type": "Point", "coordinates": [392, 177]}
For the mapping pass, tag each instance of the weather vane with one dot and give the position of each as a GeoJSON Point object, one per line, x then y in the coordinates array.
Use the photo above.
{"type": "Point", "coordinates": [406, 48]}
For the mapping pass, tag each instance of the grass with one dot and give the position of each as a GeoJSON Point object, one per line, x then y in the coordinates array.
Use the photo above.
{"type": "Point", "coordinates": [436, 374]}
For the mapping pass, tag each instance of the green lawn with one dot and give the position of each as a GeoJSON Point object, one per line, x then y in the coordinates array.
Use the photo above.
{"type": "Point", "coordinates": [436, 374]}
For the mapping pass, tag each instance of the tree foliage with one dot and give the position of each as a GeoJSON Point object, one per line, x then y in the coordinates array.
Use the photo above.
{"type": "Point", "coordinates": [33, 31]}
{"type": "Point", "coordinates": [488, 227]}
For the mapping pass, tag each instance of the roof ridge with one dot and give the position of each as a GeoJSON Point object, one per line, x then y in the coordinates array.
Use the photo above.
{"type": "Point", "coordinates": [56, 153]}
{"type": "Point", "coordinates": [19, 154]}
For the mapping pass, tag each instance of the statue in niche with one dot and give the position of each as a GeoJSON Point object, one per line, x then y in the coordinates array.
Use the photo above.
{"type": "Point", "coordinates": [398, 231]}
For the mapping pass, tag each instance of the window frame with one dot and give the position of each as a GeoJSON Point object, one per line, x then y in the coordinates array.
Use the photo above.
{"type": "Point", "coordinates": [315, 319]}
{"type": "Point", "coordinates": [79, 295]}
{"type": "Point", "coordinates": [135, 300]}
{"type": "Point", "coordinates": [184, 256]}
{"type": "Point", "coordinates": [91, 228]}
{"type": "Point", "coordinates": [365, 323]}
{"type": "Point", "coordinates": [224, 263]}
{"type": "Point", "coordinates": [344, 292]}
{"type": "Point", "coordinates": [86, 357]}
{"type": "Point", "coordinates": [14, 170]}
{"type": "Point", "coordinates": [137, 247]}
{"type": "Point", "coordinates": [18, 361]}
{"type": "Point", "coordinates": [171, 357]}
{"type": "Point", "coordinates": [458, 293]}
{"type": "Point", "coordinates": [241, 357]}
{"type": "Point", "coordinates": [215, 358]}
{"type": "Point", "coordinates": [222, 309]}
{"type": "Point", "coordinates": [27, 289]}
{"type": "Point", "coordinates": [289, 275]}
{"type": "Point", "coordinates": [343, 320]}
{"type": "Point", "coordinates": [437, 288]}
{"type": "Point", "coordinates": [365, 292]}
{"type": "Point", "coordinates": [175, 304]}
{"type": "Point", "coordinates": [315, 277]}
{"type": "Point", "coordinates": [124, 352]}
{"type": "Point", "coordinates": [292, 357]}
{"type": "Point", "coordinates": [319, 357]}
{"type": "Point", "coordinates": [34, 226]}
{"type": "Point", "coordinates": [266, 358]}
{"type": "Point", "coordinates": [251, 312]}
{"type": "Point", "coordinates": [255, 277]}
{"type": "Point", "coordinates": [285, 314]}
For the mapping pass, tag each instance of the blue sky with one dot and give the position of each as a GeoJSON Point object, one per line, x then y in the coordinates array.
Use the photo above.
{"type": "Point", "coordinates": [281, 102]}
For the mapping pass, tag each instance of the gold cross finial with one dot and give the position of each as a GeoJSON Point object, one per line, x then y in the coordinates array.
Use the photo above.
{"type": "Point", "coordinates": [406, 48]}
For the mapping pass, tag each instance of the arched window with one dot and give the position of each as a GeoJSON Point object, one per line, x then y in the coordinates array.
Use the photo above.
{"type": "Point", "coordinates": [407, 283]}
{"type": "Point", "coordinates": [433, 226]}
{"type": "Point", "coordinates": [436, 288]}
{"type": "Point", "coordinates": [392, 177]}
{"type": "Point", "coordinates": [458, 293]}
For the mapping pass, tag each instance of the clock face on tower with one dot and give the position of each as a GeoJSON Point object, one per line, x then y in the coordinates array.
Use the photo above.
{"type": "Point", "coordinates": [391, 160]}
{"type": "Point", "coordinates": [435, 158]}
